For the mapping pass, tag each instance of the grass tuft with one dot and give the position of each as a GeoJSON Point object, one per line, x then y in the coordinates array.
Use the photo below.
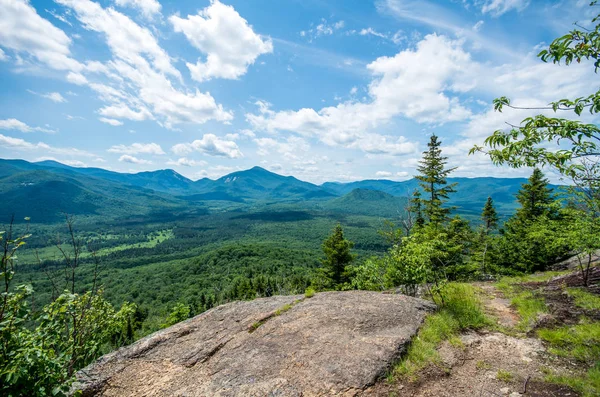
{"type": "Point", "coordinates": [309, 292]}
{"type": "Point", "coordinates": [504, 376]}
{"type": "Point", "coordinates": [462, 310]}
{"type": "Point", "coordinates": [529, 304]}
{"type": "Point", "coordinates": [584, 299]}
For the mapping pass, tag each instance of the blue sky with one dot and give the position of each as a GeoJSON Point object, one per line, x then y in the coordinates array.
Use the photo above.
{"type": "Point", "coordinates": [322, 90]}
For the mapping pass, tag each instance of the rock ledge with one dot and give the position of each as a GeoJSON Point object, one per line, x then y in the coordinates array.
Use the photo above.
{"type": "Point", "coordinates": [335, 343]}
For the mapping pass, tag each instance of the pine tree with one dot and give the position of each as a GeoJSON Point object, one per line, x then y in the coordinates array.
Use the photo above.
{"type": "Point", "coordinates": [535, 196]}
{"type": "Point", "coordinates": [489, 216]}
{"type": "Point", "coordinates": [337, 256]}
{"type": "Point", "coordinates": [433, 174]}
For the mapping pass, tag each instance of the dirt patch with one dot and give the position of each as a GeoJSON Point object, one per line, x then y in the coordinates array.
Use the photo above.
{"type": "Point", "coordinates": [487, 365]}
{"type": "Point", "coordinates": [493, 363]}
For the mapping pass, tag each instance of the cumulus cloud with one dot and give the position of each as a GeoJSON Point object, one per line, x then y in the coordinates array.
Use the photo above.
{"type": "Point", "coordinates": [210, 145]}
{"type": "Point", "coordinates": [121, 111]}
{"type": "Point", "coordinates": [383, 174]}
{"type": "Point", "coordinates": [142, 71]}
{"type": "Point", "coordinates": [24, 31]}
{"type": "Point", "coordinates": [133, 160]}
{"type": "Point", "coordinates": [185, 162]}
{"type": "Point", "coordinates": [136, 148]}
{"type": "Point", "coordinates": [148, 8]}
{"type": "Point", "coordinates": [113, 122]}
{"type": "Point", "coordinates": [17, 125]}
{"type": "Point", "coordinates": [289, 148]}
{"type": "Point", "coordinates": [422, 84]}
{"type": "Point", "coordinates": [229, 43]}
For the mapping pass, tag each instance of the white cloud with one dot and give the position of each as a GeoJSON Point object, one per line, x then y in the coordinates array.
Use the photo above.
{"type": "Point", "coordinates": [121, 111]}
{"type": "Point", "coordinates": [290, 148]}
{"type": "Point", "coordinates": [499, 7]}
{"type": "Point", "coordinates": [113, 122]}
{"type": "Point", "coordinates": [371, 32]}
{"type": "Point", "coordinates": [76, 78]}
{"type": "Point", "coordinates": [21, 144]}
{"type": "Point", "coordinates": [210, 145]}
{"type": "Point", "coordinates": [126, 39]}
{"type": "Point", "coordinates": [136, 148]}
{"type": "Point", "coordinates": [185, 162]}
{"type": "Point", "coordinates": [3, 56]}
{"type": "Point", "coordinates": [14, 124]}
{"type": "Point", "coordinates": [148, 8]}
{"type": "Point", "coordinates": [142, 69]}
{"type": "Point", "coordinates": [225, 37]}
{"type": "Point", "coordinates": [421, 84]}
{"type": "Point", "coordinates": [133, 160]}
{"type": "Point", "coordinates": [53, 96]}
{"type": "Point", "coordinates": [383, 174]}
{"type": "Point", "coordinates": [24, 31]}
{"type": "Point", "coordinates": [72, 163]}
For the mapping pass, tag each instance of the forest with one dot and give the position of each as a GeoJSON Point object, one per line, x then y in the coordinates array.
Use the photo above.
{"type": "Point", "coordinates": [78, 287]}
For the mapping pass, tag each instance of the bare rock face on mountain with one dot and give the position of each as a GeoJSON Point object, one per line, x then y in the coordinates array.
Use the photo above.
{"type": "Point", "coordinates": [335, 343]}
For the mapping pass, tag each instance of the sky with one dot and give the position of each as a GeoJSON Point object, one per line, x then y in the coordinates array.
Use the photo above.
{"type": "Point", "coordinates": [336, 90]}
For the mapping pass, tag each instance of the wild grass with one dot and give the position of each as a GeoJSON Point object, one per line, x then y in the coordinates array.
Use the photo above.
{"type": "Point", "coordinates": [581, 341]}
{"type": "Point", "coordinates": [504, 376]}
{"type": "Point", "coordinates": [309, 292]}
{"type": "Point", "coordinates": [528, 304]}
{"type": "Point", "coordinates": [584, 299]}
{"type": "Point", "coordinates": [588, 385]}
{"type": "Point", "coordinates": [462, 310]}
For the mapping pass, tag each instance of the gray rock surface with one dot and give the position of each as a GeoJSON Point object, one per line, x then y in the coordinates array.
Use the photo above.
{"type": "Point", "coordinates": [335, 343]}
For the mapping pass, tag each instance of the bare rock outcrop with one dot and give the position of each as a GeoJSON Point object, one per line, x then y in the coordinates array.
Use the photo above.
{"type": "Point", "coordinates": [335, 343]}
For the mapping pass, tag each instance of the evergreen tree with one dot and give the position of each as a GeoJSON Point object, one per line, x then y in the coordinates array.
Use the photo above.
{"type": "Point", "coordinates": [417, 209]}
{"type": "Point", "coordinates": [489, 216]}
{"type": "Point", "coordinates": [535, 196]}
{"type": "Point", "coordinates": [490, 222]}
{"type": "Point", "coordinates": [433, 174]}
{"type": "Point", "coordinates": [337, 256]}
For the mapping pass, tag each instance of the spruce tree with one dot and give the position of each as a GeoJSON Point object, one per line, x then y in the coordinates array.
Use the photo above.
{"type": "Point", "coordinates": [535, 196]}
{"type": "Point", "coordinates": [337, 256]}
{"type": "Point", "coordinates": [489, 216]}
{"type": "Point", "coordinates": [433, 174]}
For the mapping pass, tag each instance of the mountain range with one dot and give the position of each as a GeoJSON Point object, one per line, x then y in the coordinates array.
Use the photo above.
{"type": "Point", "coordinates": [44, 190]}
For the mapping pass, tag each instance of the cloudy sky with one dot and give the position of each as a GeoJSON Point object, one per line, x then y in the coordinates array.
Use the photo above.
{"type": "Point", "coordinates": [322, 90]}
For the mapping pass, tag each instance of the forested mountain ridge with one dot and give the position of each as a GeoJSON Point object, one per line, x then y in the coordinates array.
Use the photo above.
{"type": "Point", "coordinates": [96, 191]}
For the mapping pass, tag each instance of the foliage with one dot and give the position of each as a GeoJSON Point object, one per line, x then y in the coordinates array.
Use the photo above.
{"type": "Point", "coordinates": [535, 236]}
{"type": "Point", "coordinates": [40, 351]}
{"type": "Point", "coordinates": [577, 144]}
{"type": "Point", "coordinates": [179, 313]}
{"type": "Point", "coordinates": [371, 275]}
{"type": "Point", "coordinates": [504, 376]}
{"type": "Point", "coordinates": [583, 234]}
{"type": "Point", "coordinates": [462, 310]}
{"type": "Point", "coordinates": [337, 258]}
{"type": "Point", "coordinates": [432, 176]}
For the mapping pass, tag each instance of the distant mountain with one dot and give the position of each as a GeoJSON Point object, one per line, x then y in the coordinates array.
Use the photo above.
{"type": "Point", "coordinates": [470, 196]}
{"type": "Point", "coordinates": [367, 202]}
{"type": "Point", "coordinates": [43, 190]}
{"type": "Point", "coordinates": [167, 181]}
{"type": "Point", "coordinates": [260, 184]}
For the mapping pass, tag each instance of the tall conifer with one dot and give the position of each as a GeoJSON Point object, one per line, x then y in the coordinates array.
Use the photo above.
{"type": "Point", "coordinates": [433, 174]}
